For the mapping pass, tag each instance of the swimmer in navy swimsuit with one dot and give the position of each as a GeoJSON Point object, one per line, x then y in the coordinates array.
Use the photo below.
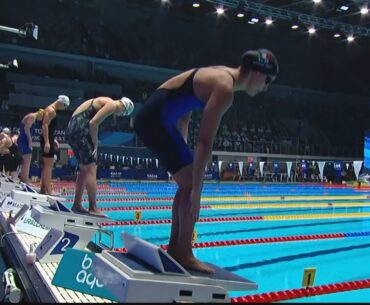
{"type": "Point", "coordinates": [162, 124]}
{"type": "Point", "coordinates": [82, 136]}
{"type": "Point", "coordinates": [26, 129]}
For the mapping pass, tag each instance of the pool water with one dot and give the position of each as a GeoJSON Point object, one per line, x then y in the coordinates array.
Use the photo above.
{"type": "Point", "coordinates": [283, 211]}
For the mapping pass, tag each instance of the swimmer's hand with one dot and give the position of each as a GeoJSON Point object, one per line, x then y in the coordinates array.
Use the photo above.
{"type": "Point", "coordinates": [194, 205]}
{"type": "Point", "coordinates": [47, 148]}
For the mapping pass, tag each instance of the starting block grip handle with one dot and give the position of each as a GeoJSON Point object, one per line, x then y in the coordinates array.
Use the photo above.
{"type": "Point", "coordinates": [152, 255]}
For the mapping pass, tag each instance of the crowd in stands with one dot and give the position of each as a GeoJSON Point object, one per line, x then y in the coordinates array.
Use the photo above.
{"type": "Point", "coordinates": [270, 127]}
{"type": "Point", "coordinates": [230, 171]}
{"type": "Point", "coordinates": [251, 172]}
{"type": "Point", "coordinates": [259, 131]}
{"type": "Point", "coordinates": [286, 126]}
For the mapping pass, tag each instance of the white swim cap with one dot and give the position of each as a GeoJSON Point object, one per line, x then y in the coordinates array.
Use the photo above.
{"type": "Point", "coordinates": [6, 130]}
{"type": "Point", "coordinates": [129, 106]}
{"type": "Point", "coordinates": [63, 99]}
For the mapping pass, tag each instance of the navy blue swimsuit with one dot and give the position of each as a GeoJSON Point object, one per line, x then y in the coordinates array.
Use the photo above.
{"type": "Point", "coordinates": [156, 123]}
{"type": "Point", "coordinates": [23, 139]}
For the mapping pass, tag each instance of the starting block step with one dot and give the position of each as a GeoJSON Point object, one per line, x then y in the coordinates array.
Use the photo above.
{"type": "Point", "coordinates": [32, 197]}
{"type": "Point", "coordinates": [68, 230]}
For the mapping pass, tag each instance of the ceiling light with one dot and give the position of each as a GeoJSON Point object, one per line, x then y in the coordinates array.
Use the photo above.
{"type": "Point", "coordinates": [220, 10]}
{"type": "Point", "coordinates": [268, 21]}
{"type": "Point", "coordinates": [364, 10]}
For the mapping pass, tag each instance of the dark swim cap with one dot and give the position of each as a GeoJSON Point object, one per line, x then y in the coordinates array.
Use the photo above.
{"type": "Point", "coordinates": [261, 60]}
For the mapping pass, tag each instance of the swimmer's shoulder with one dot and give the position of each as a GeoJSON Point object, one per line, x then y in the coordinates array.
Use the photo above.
{"type": "Point", "coordinates": [218, 77]}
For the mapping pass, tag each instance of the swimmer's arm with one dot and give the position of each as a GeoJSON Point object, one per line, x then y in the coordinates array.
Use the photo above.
{"type": "Point", "coordinates": [48, 116]}
{"type": "Point", "coordinates": [216, 106]}
{"type": "Point", "coordinates": [104, 112]}
{"type": "Point", "coordinates": [183, 126]}
{"type": "Point", "coordinates": [3, 142]}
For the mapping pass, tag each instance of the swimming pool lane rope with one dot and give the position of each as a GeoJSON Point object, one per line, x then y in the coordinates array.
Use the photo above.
{"type": "Point", "coordinates": [247, 199]}
{"type": "Point", "coordinates": [243, 206]}
{"type": "Point", "coordinates": [241, 242]}
{"type": "Point", "coordinates": [106, 193]}
{"type": "Point", "coordinates": [291, 294]}
{"type": "Point", "coordinates": [240, 218]}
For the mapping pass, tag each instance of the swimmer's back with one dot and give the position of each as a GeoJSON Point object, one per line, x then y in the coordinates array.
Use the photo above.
{"type": "Point", "coordinates": [204, 80]}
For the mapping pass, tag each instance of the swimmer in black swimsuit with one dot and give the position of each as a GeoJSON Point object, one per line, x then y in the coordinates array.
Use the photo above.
{"type": "Point", "coordinates": [14, 158]}
{"type": "Point", "coordinates": [162, 124]}
{"type": "Point", "coordinates": [4, 152]}
{"type": "Point", "coordinates": [48, 144]}
{"type": "Point", "coordinates": [82, 135]}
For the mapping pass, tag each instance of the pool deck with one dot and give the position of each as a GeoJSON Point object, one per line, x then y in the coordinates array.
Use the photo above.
{"type": "Point", "coordinates": [35, 279]}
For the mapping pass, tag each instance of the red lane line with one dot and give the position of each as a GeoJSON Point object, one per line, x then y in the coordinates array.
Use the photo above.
{"type": "Point", "coordinates": [139, 199]}
{"type": "Point", "coordinates": [257, 241]}
{"type": "Point", "coordinates": [68, 192]}
{"type": "Point", "coordinates": [290, 294]}
{"type": "Point", "coordinates": [165, 221]}
{"type": "Point", "coordinates": [146, 208]}
{"type": "Point", "coordinates": [129, 199]}
{"type": "Point", "coordinates": [326, 185]}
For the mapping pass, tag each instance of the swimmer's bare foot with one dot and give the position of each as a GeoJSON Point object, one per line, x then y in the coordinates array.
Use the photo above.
{"type": "Point", "coordinates": [97, 213]}
{"type": "Point", "coordinates": [35, 187]}
{"type": "Point", "coordinates": [80, 209]}
{"type": "Point", "coordinates": [194, 264]}
{"type": "Point", "coordinates": [55, 194]}
{"type": "Point", "coordinates": [49, 193]}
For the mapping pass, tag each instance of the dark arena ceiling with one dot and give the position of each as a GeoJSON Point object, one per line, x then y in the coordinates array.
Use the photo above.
{"type": "Point", "coordinates": [329, 16]}
{"type": "Point", "coordinates": [181, 34]}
